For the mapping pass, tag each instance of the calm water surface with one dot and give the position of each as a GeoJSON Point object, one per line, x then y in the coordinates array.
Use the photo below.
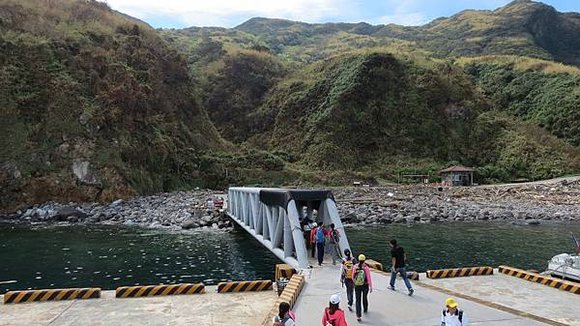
{"type": "Point", "coordinates": [111, 256]}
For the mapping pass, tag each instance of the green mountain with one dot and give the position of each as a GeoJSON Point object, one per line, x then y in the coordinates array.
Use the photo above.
{"type": "Point", "coordinates": [93, 105]}
{"type": "Point", "coordinates": [334, 107]}
{"type": "Point", "coordinates": [382, 114]}
{"type": "Point", "coordinates": [96, 105]}
{"type": "Point", "coordinates": [522, 27]}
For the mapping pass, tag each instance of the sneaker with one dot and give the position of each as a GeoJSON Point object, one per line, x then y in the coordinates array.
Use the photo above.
{"type": "Point", "coordinates": [411, 291]}
{"type": "Point", "coordinates": [358, 319]}
{"type": "Point", "coordinates": [350, 307]}
{"type": "Point", "coordinates": [392, 288]}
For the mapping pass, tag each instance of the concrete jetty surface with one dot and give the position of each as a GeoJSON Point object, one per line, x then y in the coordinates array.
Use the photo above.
{"type": "Point", "coordinates": [487, 300]}
{"type": "Point", "coordinates": [211, 308]}
{"type": "Point", "coordinates": [515, 293]}
{"type": "Point", "coordinates": [425, 306]}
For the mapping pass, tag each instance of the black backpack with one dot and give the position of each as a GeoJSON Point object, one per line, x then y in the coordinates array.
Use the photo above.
{"type": "Point", "coordinates": [459, 315]}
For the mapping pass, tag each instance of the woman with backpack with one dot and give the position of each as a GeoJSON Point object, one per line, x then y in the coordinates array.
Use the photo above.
{"type": "Point", "coordinates": [346, 279]}
{"type": "Point", "coordinates": [333, 315]}
{"type": "Point", "coordinates": [363, 284]}
{"type": "Point", "coordinates": [285, 316]}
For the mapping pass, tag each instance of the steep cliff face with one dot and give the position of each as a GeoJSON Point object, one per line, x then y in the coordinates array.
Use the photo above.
{"type": "Point", "coordinates": [93, 105]}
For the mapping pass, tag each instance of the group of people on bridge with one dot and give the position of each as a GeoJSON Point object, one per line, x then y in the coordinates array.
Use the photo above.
{"type": "Point", "coordinates": [320, 239]}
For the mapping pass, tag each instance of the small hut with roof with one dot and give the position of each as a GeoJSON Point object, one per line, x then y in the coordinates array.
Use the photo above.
{"type": "Point", "coordinates": [457, 175]}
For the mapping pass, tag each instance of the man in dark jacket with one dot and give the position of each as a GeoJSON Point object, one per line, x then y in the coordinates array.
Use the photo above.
{"type": "Point", "coordinates": [398, 258]}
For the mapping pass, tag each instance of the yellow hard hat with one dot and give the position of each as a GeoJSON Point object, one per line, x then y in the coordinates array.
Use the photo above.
{"type": "Point", "coordinates": [451, 303]}
{"type": "Point", "coordinates": [362, 257]}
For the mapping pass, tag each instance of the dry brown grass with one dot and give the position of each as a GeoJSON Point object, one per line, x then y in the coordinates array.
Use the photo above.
{"type": "Point", "coordinates": [522, 63]}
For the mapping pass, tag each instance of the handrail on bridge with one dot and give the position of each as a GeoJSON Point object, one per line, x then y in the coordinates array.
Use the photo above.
{"type": "Point", "coordinates": [274, 217]}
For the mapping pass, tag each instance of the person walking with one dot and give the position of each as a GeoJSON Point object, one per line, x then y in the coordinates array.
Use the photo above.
{"type": "Point", "coordinates": [333, 315]}
{"type": "Point", "coordinates": [398, 258]}
{"type": "Point", "coordinates": [346, 276]}
{"type": "Point", "coordinates": [363, 284]}
{"type": "Point", "coordinates": [285, 316]}
{"type": "Point", "coordinates": [334, 237]}
{"type": "Point", "coordinates": [313, 239]}
{"type": "Point", "coordinates": [320, 242]}
{"type": "Point", "coordinates": [452, 316]}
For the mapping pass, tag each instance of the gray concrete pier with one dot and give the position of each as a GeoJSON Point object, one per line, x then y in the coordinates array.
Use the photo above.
{"type": "Point", "coordinates": [211, 308]}
{"type": "Point", "coordinates": [493, 300]}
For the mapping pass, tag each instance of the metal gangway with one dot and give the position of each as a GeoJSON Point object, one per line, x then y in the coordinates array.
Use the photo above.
{"type": "Point", "coordinates": [275, 218]}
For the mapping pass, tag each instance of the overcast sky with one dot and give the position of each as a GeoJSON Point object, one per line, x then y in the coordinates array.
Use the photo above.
{"type": "Point", "coordinates": [229, 13]}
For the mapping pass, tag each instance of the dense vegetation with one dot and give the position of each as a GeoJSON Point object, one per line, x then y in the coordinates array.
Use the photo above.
{"type": "Point", "coordinates": [87, 90]}
{"type": "Point", "coordinates": [82, 83]}
{"type": "Point", "coordinates": [551, 100]}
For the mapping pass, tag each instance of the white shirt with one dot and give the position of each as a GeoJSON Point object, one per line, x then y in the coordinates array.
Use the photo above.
{"type": "Point", "coordinates": [289, 322]}
{"type": "Point", "coordinates": [453, 320]}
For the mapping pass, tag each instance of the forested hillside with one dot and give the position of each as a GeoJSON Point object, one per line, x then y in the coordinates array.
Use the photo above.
{"type": "Point", "coordinates": [97, 105]}
{"type": "Point", "coordinates": [94, 105]}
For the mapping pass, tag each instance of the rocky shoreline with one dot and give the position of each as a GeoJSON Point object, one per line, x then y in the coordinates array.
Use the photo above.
{"type": "Point", "coordinates": [177, 210]}
{"type": "Point", "coordinates": [526, 204]}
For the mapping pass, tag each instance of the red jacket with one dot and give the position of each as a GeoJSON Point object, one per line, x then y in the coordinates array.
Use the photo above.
{"type": "Point", "coordinates": [337, 318]}
{"type": "Point", "coordinates": [313, 233]}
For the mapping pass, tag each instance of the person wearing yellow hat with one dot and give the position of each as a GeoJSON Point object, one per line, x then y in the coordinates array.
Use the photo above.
{"type": "Point", "coordinates": [452, 316]}
{"type": "Point", "coordinates": [363, 284]}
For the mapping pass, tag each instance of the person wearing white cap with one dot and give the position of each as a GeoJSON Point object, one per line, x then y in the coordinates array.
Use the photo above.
{"type": "Point", "coordinates": [452, 316]}
{"type": "Point", "coordinates": [333, 315]}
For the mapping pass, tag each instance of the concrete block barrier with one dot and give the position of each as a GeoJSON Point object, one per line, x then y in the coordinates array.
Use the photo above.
{"type": "Point", "coordinates": [374, 264]}
{"type": "Point", "coordinates": [244, 286]}
{"type": "Point", "coordinates": [290, 294]}
{"type": "Point", "coordinates": [284, 270]}
{"type": "Point", "coordinates": [545, 280]}
{"type": "Point", "coordinates": [378, 268]}
{"type": "Point", "coordinates": [459, 272]}
{"type": "Point", "coordinates": [155, 290]}
{"type": "Point", "coordinates": [413, 276]}
{"type": "Point", "coordinates": [51, 295]}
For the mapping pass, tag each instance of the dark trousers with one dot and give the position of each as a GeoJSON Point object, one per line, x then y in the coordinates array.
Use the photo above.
{"type": "Point", "coordinates": [363, 291]}
{"type": "Point", "coordinates": [313, 249]}
{"type": "Point", "coordinates": [349, 290]}
{"type": "Point", "coordinates": [320, 251]}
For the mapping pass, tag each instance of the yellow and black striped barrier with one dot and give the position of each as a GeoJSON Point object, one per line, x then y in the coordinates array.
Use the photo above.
{"type": "Point", "coordinates": [284, 270]}
{"type": "Point", "coordinates": [545, 280]}
{"type": "Point", "coordinates": [290, 295]}
{"type": "Point", "coordinates": [155, 290]}
{"type": "Point", "coordinates": [459, 272]}
{"type": "Point", "coordinates": [244, 286]}
{"type": "Point", "coordinates": [51, 295]}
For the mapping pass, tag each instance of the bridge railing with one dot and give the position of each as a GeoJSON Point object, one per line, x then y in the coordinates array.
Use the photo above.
{"type": "Point", "coordinates": [278, 228]}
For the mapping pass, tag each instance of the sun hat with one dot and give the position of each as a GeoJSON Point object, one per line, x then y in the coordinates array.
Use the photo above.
{"type": "Point", "coordinates": [451, 303]}
{"type": "Point", "coordinates": [335, 299]}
